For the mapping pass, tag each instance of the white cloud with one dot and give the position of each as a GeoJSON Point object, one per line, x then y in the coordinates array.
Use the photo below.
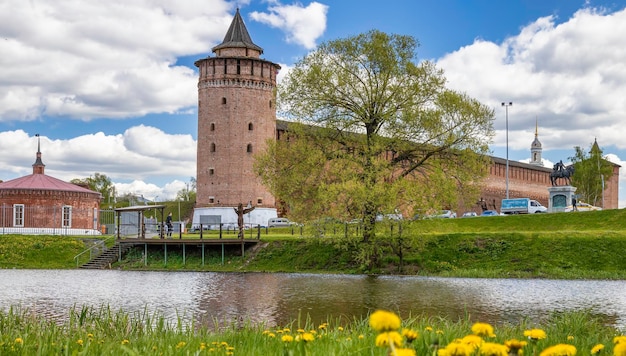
{"type": "Point", "coordinates": [141, 155]}
{"type": "Point", "coordinates": [302, 25]}
{"type": "Point", "coordinates": [114, 59]}
{"type": "Point", "coordinates": [569, 76]}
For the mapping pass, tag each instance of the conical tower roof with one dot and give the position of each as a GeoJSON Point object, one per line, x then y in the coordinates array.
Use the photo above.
{"type": "Point", "coordinates": [237, 36]}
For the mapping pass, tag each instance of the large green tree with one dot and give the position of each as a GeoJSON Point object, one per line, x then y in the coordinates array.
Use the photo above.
{"type": "Point", "coordinates": [591, 171]}
{"type": "Point", "coordinates": [99, 183]}
{"type": "Point", "coordinates": [374, 131]}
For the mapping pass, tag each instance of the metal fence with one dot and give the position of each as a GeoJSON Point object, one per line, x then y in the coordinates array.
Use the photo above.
{"type": "Point", "coordinates": [49, 220]}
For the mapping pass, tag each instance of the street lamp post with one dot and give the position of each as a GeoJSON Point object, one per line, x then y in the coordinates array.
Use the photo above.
{"type": "Point", "coordinates": [506, 108]}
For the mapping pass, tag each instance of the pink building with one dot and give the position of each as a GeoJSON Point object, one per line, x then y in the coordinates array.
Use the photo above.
{"type": "Point", "coordinates": [40, 204]}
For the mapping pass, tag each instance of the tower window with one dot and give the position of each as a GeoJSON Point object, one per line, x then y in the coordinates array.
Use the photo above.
{"type": "Point", "coordinates": [211, 200]}
{"type": "Point", "coordinates": [270, 104]}
{"type": "Point", "coordinates": [250, 127]}
{"type": "Point", "coordinates": [212, 147]}
{"type": "Point", "coordinates": [223, 101]}
{"type": "Point", "coordinates": [259, 201]}
{"type": "Point", "coordinates": [211, 171]}
{"type": "Point", "coordinates": [212, 126]}
{"type": "Point", "coordinates": [238, 67]}
{"type": "Point", "coordinates": [249, 148]}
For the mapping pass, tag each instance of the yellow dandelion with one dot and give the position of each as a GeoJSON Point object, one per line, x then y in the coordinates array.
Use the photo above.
{"type": "Point", "coordinates": [559, 350]}
{"type": "Point", "coordinates": [19, 340]}
{"type": "Point", "coordinates": [265, 332]}
{"type": "Point", "coordinates": [428, 328]}
{"type": "Point", "coordinates": [473, 340]}
{"type": "Point", "coordinates": [181, 344]}
{"type": "Point", "coordinates": [348, 339]}
{"type": "Point", "coordinates": [515, 346]}
{"type": "Point", "coordinates": [439, 332]}
{"type": "Point", "coordinates": [230, 353]}
{"type": "Point", "coordinates": [223, 344]}
{"type": "Point", "coordinates": [322, 326]}
{"type": "Point", "coordinates": [405, 352]}
{"type": "Point", "coordinates": [597, 349]}
{"type": "Point", "coordinates": [493, 349]}
{"type": "Point", "coordinates": [535, 334]}
{"type": "Point", "coordinates": [619, 339]}
{"type": "Point", "coordinates": [389, 337]}
{"type": "Point", "coordinates": [570, 337]}
{"type": "Point", "coordinates": [271, 335]}
{"type": "Point", "coordinates": [280, 332]}
{"type": "Point", "coordinates": [300, 331]}
{"type": "Point", "coordinates": [619, 349]}
{"type": "Point", "coordinates": [483, 329]}
{"type": "Point", "coordinates": [230, 348]}
{"type": "Point", "coordinates": [80, 342]}
{"type": "Point", "coordinates": [456, 349]}
{"type": "Point", "coordinates": [340, 328]}
{"type": "Point", "coordinates": [287, 330]}
{"type": "Point", "coordinates": [382, 320]}
{"type": "Point", "coordinates": [90, 336]}
{"type": "Point", "coordinates": [361, 337]}
{"type": "Point", "coordinates": [409, 334]}
{"type": "Point", "coordinates": [313, 332]}
{"type": "Point", "coordinates": [287, 338]}
{"type": "Point", "coordinates": [308, 337]}
{"type": "Point", "coordinates": [154, 348]}
{"type": "Point", "coordinates": [125, 342]}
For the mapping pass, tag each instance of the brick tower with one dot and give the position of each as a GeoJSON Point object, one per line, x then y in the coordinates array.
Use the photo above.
{"type": "Point", "coordinates": [236, 115]}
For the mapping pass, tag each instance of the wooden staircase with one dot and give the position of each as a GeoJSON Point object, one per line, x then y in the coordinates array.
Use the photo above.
{"type": "Point", "coordinates": [106, 258]}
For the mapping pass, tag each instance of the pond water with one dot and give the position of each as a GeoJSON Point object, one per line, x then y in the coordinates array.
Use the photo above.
{"type": "Point", "coordinates": [278, 298]}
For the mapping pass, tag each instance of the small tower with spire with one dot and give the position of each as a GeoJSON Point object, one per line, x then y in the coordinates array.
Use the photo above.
{"type": "Point", "coordinates": [38, 166]}
{"type": "Point", "coordinates": [535, 148]}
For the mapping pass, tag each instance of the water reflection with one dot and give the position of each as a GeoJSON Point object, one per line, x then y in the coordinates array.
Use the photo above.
{"type": "Point", "coordinates": [276, 299]}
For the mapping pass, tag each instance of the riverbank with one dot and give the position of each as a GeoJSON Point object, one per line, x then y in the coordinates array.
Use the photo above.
{"type": "Point", "coordinates": [89, 331]}
{"type": "Point", "coordinates": [585, 245]}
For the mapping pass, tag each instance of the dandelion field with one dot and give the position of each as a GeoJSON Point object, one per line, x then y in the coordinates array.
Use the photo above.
{"type": "Point", "coordinates": [102, 331]}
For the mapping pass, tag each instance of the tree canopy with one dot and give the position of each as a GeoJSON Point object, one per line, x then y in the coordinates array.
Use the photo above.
{"type": "Point", "coordinates": [372, 131]}
{"type": "Point", "coordinates": [592, 170]}
{"type": "Point", "coordinates": [100, 183]}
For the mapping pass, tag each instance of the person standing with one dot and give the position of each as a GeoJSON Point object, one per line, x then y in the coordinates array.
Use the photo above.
{"type": "Point", "coordinates": [168, 222]}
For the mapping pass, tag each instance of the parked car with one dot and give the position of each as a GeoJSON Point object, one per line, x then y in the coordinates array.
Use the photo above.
{"type": "Point", "coordinates": [583, 207]}
{"type": "Point", "coordinates": [489, 213]}
{"type": "Point", "coordinates": [381, 217]}
{"type": "Point", "coordinates": [445, 214]}
{"type": "Point", "coordinates": [278, 222]}
{"type": "Point", "coordinates": [469, 214]}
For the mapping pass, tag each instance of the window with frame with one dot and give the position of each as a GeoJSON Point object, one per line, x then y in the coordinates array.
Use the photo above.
{"type": "Point", "coordinates": [18, 215]}
{"type": "Point", "coordinates": [67, 216]}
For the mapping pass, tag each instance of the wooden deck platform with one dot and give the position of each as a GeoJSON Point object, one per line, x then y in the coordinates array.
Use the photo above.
{"type": "Point", "coordinates": [183, 244]}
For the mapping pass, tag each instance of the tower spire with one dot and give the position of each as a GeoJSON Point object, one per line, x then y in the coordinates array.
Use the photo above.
{"type": "Point", "coordinates": [239, 38]}
{"type": "Point", "coordinates": [535, 147]}
{"type": "Point", "coordinates": [38, 166]}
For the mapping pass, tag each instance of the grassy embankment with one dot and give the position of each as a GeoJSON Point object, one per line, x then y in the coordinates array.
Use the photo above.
{"type": "Point", "coordinates": [565, 245]}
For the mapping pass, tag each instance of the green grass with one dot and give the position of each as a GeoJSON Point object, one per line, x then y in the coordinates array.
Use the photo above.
{"type": "Point", "coordinates": [561, 245]}
{"type": "Point", "coordinates": [102, 331]}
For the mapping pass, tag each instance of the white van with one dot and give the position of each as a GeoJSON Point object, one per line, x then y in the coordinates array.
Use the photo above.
{"type": "Point", "coordinates": [278, 222]}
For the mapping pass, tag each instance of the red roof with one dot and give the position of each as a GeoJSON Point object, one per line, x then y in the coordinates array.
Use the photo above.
{"type": "Point", "coordinates": [42, 182]}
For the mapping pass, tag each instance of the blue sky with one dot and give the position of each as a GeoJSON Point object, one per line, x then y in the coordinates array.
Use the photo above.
{"type": "Point", "coordinates": [111, 86]}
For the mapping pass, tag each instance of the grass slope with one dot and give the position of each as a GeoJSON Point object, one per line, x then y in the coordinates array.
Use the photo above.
{"type": "Point", "coordinates": [563, 245]}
